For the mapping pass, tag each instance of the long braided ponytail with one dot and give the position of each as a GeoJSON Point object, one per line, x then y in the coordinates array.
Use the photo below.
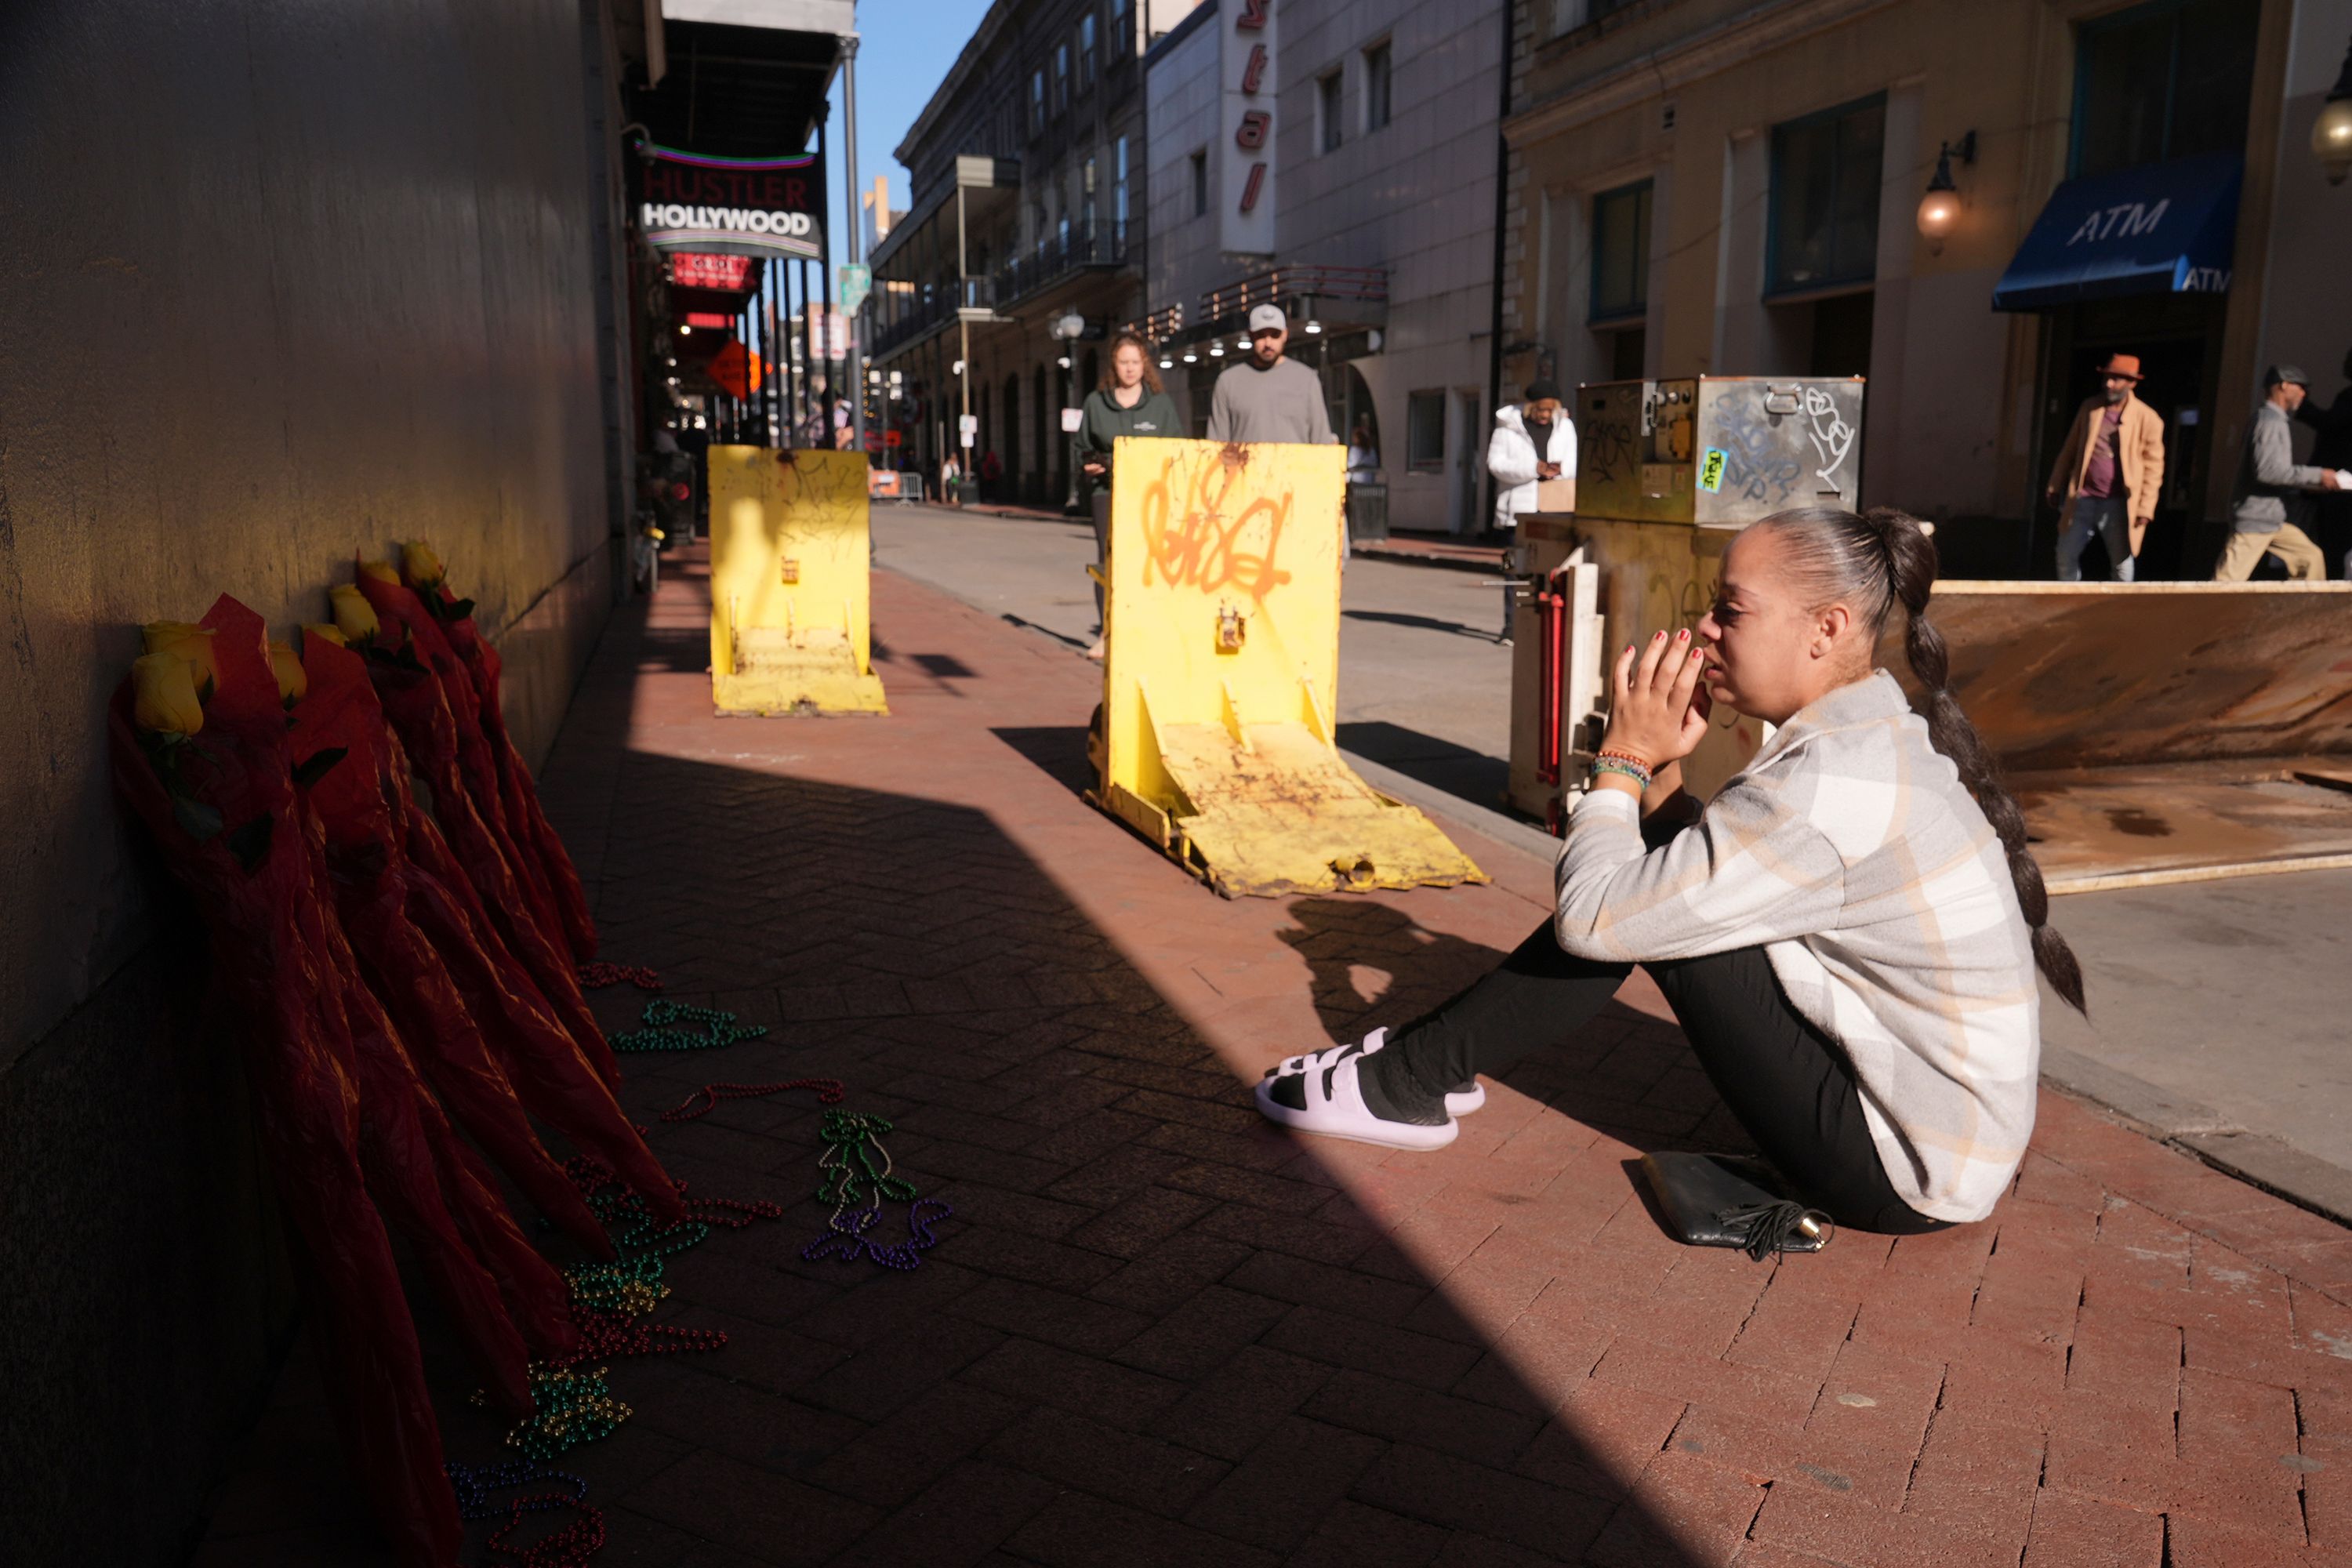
{"type": "Point", "coordinates": [1874, 561]}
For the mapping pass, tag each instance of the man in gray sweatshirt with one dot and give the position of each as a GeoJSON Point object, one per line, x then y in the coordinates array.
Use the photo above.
{"type": "Point", "coordinates": [2267, 477]}
{"type": "Point", "coordinates": [1268, 397]}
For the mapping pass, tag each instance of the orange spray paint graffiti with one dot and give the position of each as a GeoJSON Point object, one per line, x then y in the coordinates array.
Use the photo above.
{"type": "Point", "coordinates": [1196, 545]}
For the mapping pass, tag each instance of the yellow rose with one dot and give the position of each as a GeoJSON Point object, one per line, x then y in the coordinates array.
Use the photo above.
{"type": "Point", "coordinates": [163, 695]}
{"type": "Point", "coordinates": [353, 614]}
{"type": "Point", "coordinates": [287, 666]}
{"type": "Point", "coordinates": [193, 644]}
{"type": "Point", "coordinates": [421, 566]}
{"type": "Point", "coordinates": [325, 633]}
{"type": "Point", "coordinates": [382, 571]}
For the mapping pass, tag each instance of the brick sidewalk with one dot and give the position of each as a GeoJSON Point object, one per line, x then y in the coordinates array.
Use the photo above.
{"type": "Point", "coordinates": [1161, 1331]}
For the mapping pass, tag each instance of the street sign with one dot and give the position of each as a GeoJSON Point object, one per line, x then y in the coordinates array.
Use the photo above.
{"type": "Point", "coordinates": [737, 370]}
{"type": "Point", "coordinates": [856, 282]}
{"type": "Point", "coordinates": [968, 422]}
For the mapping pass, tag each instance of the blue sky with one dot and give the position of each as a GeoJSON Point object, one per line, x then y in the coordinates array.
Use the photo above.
{"type": "Point", "coordinates": [904, 48]}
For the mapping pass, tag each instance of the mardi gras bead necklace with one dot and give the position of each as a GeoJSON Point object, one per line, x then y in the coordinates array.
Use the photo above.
{"type": "Point", "coordinates": [598, 974]}
{"type": "Point", "coordinates": [720, 1028]}
{"type": "Point", "coordinates": [570, 1547]}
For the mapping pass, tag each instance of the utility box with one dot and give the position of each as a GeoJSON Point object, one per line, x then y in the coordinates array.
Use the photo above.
{"type": "Point", "coordinates": [1668, 473]}
{"type": "Point", "coordinates": [1716, 450]}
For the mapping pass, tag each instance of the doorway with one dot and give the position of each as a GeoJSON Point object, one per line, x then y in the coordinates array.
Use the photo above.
{"type": "Point", "coordinates": [1464, 449]}
{"type": "Point", "coordinates": [2178, 337]}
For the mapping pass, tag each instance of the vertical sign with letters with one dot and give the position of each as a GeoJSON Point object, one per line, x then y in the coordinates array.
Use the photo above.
{"type": "Point", "coordinates": [1246, 126]}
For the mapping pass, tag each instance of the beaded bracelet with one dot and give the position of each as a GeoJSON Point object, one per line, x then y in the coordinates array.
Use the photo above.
{"type": "Point", "coordinates": [1623, 755]}
{"type": "Point", "coordinates": [1606, 764]}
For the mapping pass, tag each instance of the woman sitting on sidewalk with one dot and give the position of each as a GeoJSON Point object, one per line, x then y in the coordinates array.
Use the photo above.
{"type": "Point", "coordinates": [1847, 934]}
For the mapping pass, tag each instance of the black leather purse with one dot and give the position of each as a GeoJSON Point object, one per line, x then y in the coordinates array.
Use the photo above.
{"type": "Point", "coordinates": [1732, 1200]}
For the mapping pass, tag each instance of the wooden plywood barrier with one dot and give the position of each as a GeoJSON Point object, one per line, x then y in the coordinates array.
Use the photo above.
{"type": "Point", "coordinates": [2162, 731]}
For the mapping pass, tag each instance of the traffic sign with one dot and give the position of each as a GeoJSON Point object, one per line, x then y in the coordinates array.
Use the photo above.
{"type": "Point", "coordinates": [856, 282]}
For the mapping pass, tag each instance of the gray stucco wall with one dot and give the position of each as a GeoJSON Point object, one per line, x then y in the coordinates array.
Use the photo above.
{"type": "Point", "coordinates": [278, 282]}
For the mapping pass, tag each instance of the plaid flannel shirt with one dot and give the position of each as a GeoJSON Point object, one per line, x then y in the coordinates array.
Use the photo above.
{"type": "Point", "coordinates": [1849, 852]}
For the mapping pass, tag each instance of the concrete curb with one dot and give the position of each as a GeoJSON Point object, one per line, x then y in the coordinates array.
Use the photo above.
{"type": "Point", "coordinates": [1376, 551]}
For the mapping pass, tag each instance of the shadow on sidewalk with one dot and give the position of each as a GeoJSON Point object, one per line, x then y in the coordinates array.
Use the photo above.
{"type": "Point", "coordinates": [1157, 1329]}
{"type": "Point", "coordinates": [1155, 1320]}
{"type": "Point", "coordinates": [1626, 1074]}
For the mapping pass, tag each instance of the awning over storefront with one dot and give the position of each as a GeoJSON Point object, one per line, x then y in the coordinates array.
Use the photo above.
{"type": "Point", "coordinates": [2159, 228]}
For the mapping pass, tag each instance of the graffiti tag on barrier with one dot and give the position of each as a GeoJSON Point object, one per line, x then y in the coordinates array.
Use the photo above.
{"type": "Point", "coordinates": [1197, 546]}
{"type": "Point", "coordinates": [1833, 438]}
{"type": "Point", "coordinates": [1755, 464]}
{"type": "Point", "coordinates": [1608, 448]}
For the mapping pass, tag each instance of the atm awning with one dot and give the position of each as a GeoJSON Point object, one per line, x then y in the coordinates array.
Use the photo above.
{"type": "Point", "coordinates": [2159, 228]}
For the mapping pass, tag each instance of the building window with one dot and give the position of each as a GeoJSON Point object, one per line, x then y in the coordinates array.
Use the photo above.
{"type": "Point", "coordinates": [1201, 183]}
{"type": "Point", "coordinates": [1122, 42]}
{"type": "Point", "coordinates": [1327, 111]}
{"type": "Point", "coordinates": [1061, 78]}
{"type": "Point", "coordinates": [1621, 253]}
{"type": "Point", "coordinates": [1118, 198]}
{"type": "Point", "coordinates": [1090, 201]}
{"type": "Point", "coordinates": [1086, 51]}
{"type": "Point", "coordinates": [1567, 16]}
{"type": "Point", "coordinates": [1376, 85]}
{"type": "Point", "coordinates": [2162, 82]}
{"type": "Point", "coordinates": [1425, 432]}
{"type": "Point", "coordinates": [1824, 211]}
{"type": "Point", "coordinates": [1036, 100]}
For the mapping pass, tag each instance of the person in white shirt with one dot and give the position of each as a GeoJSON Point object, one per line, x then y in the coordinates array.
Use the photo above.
{"type": "Point", "coordinates": [1534, 440]}
{"type": "Point", "coordinates": [1363, 457]}
{"type": "Point", "coordinates": [1848, 932]}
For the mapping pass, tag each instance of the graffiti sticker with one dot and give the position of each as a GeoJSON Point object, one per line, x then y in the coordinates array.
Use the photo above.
{"type": "Point", "coordinates": [1710, 470]}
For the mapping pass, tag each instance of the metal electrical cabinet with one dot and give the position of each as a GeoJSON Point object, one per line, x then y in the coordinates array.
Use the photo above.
{"type": "Point", "coordinates": [1716, 450]}
{"type": "Point", "coordinates": [1668, 472]}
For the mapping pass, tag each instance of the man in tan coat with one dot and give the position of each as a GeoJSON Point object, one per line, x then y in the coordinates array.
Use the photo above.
{"type": "Point", "coordinates": [2107, 474]}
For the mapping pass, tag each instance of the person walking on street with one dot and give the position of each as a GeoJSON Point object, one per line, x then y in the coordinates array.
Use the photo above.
{"type": "Point", "coordinates": [1129, 402]}
{"type": "Point", "coordinates": [1533, 441]}
{"type": "Point", "coordinates": [951, 478]}
{"type": "Point", "coordinates": [1268, 397]}
{"type": "Point", "coordinates": [1364, 456]}
{"type": "Point", "coordinates": [2107, 474]}
{"type": "Point", "coordinates": [2268, 479]}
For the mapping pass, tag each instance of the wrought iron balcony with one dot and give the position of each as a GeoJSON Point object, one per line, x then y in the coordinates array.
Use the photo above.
{"type": "Point", "coordinates": [932, 305]}
{"type": "Point", "coordinates": [1085, 247]}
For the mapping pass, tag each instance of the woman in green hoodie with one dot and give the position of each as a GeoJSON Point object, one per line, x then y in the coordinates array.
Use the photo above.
{"type": "Point", "coordinates": [1129, 402]}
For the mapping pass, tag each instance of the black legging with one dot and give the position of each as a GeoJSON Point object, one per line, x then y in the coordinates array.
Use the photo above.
{"type": "Point", "coordinates": [1791, 1088]}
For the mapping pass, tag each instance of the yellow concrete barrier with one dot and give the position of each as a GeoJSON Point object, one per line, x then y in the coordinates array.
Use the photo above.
{"type": "Point", "coordinates": [1221, 677]}
{"type": "Point", "coordinates": [790, 631]}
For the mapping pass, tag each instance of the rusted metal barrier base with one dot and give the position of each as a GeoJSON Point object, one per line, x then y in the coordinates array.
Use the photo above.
{"type": "Point", "coordinates": [1283, 814]}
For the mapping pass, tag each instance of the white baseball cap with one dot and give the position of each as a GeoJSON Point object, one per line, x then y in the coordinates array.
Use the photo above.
{"type": "Point", "coordinates": [1268, 319]}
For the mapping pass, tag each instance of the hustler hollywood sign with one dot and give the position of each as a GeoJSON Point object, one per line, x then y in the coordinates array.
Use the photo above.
{"type": "Point", "coordinates": [731, 207]}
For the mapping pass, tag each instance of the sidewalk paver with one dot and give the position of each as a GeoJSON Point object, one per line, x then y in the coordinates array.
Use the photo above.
{"type": "Point", "coordinates": [1160, 1331]}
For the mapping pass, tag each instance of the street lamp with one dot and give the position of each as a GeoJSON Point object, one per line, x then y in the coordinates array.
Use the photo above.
{"type": "Point", "coordinates": [2331, 133]}
{"type": "Point", "coordinates": [1939, 209]}
{"type": "Point", "coordinates": [1066, 330]}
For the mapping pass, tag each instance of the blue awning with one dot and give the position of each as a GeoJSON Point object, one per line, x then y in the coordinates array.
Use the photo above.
{"type": "Point", "coordinates": [2159, 228]}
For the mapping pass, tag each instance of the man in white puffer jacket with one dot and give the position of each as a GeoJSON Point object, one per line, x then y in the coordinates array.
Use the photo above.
{"type": "Point", "coordinates": [1533, 441]}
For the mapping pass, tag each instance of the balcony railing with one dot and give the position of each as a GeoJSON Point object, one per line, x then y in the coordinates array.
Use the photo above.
{"type": "Point", "coordinates": [1364, 285]}
{"type": "Point", "coordinates": [1084, 247]}
{"type": "Point", "coordinates": [931, 305]}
